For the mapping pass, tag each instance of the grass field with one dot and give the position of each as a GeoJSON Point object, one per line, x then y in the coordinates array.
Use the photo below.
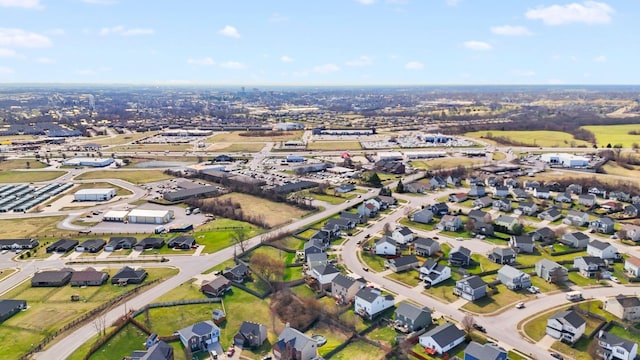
{"type": "Point", "coordinates": [123, 138]}
{"type": "Point", "coordinates": [132, 176]}
{"type": "Point", "coordinates": [359, 350]}
{"type": "Point", "coordinates": [489, 304]}
{"type": "Point", "coordinates": [444, 163]}
{"type": "Point", "coordinates": [272, 213]}
{"type": "Point", "coordinates": [130, 337]}
{"type": "Point", "coordinates": [16, 176]}
{"type": "Point", "coordinates": [409, 277]}
{"type": "Point", "coordinates": [21, 164]}
{"type": "Point", "coordinates": [334, 145]}
{"type": "Point", "coordinates": [234, 137]}
{"type": "Point", "coordinates": [51, 308]}
{"type": "Point", "coordinates": [612, 168]}
{"type": "Point", "coordinates": [615, 134]}
{"type": "Point", "coordinates": [237, 147]}
{"type": "Point", "coordinates": [534, 138]}
{"type": "Point", "coordinates": [218, 234]}
{"type": "Point", "coordinates": [374, 262]}
{"type": "Point", "coordinates": [32, 227]}
{"type": "Point", "coordinates": [141, 148]}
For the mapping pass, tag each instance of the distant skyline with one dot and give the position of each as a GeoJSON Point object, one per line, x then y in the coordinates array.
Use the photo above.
{"type": "Point", "coordinates": [322, 42]}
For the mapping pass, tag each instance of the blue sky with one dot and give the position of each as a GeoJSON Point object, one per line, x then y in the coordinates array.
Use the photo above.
{"type": "Point", "coordinates": [320, 42]}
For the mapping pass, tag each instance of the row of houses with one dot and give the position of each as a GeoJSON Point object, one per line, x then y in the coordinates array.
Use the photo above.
{"type": "Point", "coordinates": [87, 277]}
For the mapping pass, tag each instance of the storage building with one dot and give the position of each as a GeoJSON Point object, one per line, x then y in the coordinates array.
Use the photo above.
{"type": "Point", "coordinates": [115, 215]}
{"type": "Point", "coordinates": [145, 216]}
{"type": "Point", "coordinates": [94, 194]}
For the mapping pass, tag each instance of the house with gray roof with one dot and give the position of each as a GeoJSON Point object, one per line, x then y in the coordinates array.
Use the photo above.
{"type": "Point", "coordinates": [552, 271]}
{"type": "Point", "coordinates": [402, 263]}
{"type": "Point", "coordinates": [551, 214]}
{"type": "Point", "coordinates": [425, 246]}
{"type": "Point", "coordinates": [460, 256]}
{"type": "Point", "coordinates": [324, 274]}
{"type": "Point", "coordinates": [576, 239]}
{"type": "Point", "coordinates": [433, 273]}
{"type": "Point", "coordinates": [502, 255]}
{"type": "Point", "coordinates": [588, 200]}
{"type": "Point", "coordinates": [482, 202]}
{"type": "Point", "coordinates": [545, 234]}
{"type": "Point", "coordinates": [603, 250]}
{"type": "Point", "coordinates": [442, 338]}
{"type": "Point", "coordinates": [566, 326]}
{"type": "Point", "coordinates": [293, 344]}
{"type": "Point", "coordinates": [423, 216]}
{"type": "Point", "coordinates": [251, 335]}
{"type": "Point", "coordinates": [385, 246]}
{"type": "Point", "coordinates": [402, 235]}
{"type": "Point", "coordinates": [521, 243]}
{"type": "Point", "coordinates": [160, 350]}
{"type": "Point", "coordinates": [613, 347]}
{"type": "Point", "coordinates": [9, 307]}
{"type": "Point", "coordinates": [488, 351]}
{"type": "Point", "coordinates": [591, 267]}
{"type": "Point", "coordinates": [201, 336]}
{"type": "Point", "coordinates": [128, 275]}
{"type": "Point", "coordinates": [370, 302]}
{"type": "Point", "coordinates": [470, 288]}
{"type": "Point", "coordinates": [345, 288]}
{"type": "Point", "coordinates": [51, 278]}
{"type": "Point", "coordinates": [412, 318]}
{"type": "Point", "coordinates": [507, 222]}
{"type": "Point", "coordinates": [576, 218]}
{"type": "Point", "coordinates": [625, 307]}
{"type": "Point", "coordinates": [513, 278]}
{"type": "Point", "coordinates": [602, 225]}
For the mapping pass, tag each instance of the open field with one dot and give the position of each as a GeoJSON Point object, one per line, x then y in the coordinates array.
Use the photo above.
{"type": "Point", "coordinates": [234, 137]}
{"type": "Point", "coordinates": [15, 176]}
{"type": "Point", "coordinates": [151, 147]}
{"type": "Point", "coordinates": [334, 145]}
{"type": "Point", "coordinates": [273, 213]}
{"type": "Point", "coordinates": [359, 350]}
{"type": "Point", "coordinates": [442, 163]}
{"type": "Point", "coordinates": [7, 139]}
{"type": "Point", "coordinates": [123, 138]}
{"type": "Point", "coordinates": [218, 234]}
{"type": "Point", "coordinates": [489, 304]}
{"type": "Point", "coordinates": [51, 308]}
{"type": "Point", "coordinates": [21, 164]}
{"type": "Point", "coordinates": [533, 138]}
{"type": "Point", "coordinates": [237, 147]}
{"type": "Point", "coordinates": [615, 134]}
{"type": "Point", "coordinates": [612, 168]}
{"type": "Point", "coordinates": [410, 277]}
{"type": "Point", "coordinates": [132, 176]}
{"type": "Point", "coordinates": [33, 227]}
{"type": "Point", "coordinates": [101, 185]}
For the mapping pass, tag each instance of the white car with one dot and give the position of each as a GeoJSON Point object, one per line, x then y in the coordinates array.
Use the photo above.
{"type": "Point", "coordinates": [614, 279]}
{"type": "Point", "coordinates": [520, 305]}
{"type": "Point", "coordinates": [533, 289]}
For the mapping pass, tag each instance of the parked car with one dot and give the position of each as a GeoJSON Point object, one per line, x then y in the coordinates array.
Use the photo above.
{"type": "Point", "coordinates": [614, 279]}
{"type": "Point", "coordinates": [533, 289]}
{"type": "Point", "coordinates": [479, 328]}
{"type": "Point", "coordinates": [231, 351]}
{"type": "Point", "coordinates": [556, 355]}
{"type": "Point", "coordinates": [365, 268]}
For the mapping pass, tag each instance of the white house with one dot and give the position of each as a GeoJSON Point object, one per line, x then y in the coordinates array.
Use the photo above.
{"type": "Point", "coordinates": [602, 250]}
{"type": "Point", "coordinates": [433, 273]}
{"type": "Point", "coordinates": [566, 326]}
{"type": "Point", "coordinates": [632, 266]}
{"type": "Point", "coordinates": [370, 302]}
{"type": "Point", "coordinates": [402, 235]}
{"type": "Point", "coordinates": [385, 246]}
{"type": "Point", "coordinates": [613, 347]}
{"type": "Point", "coordinates": [324, 273]}
{"type": "Point", "coordinates": [442, 338]}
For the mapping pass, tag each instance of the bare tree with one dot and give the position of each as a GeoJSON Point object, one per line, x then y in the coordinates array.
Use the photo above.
{"type": "Point", "coordinates": [387, 228]}
{"type": "Point", "coordinates": [268, 267]}
{"type": "Point", "coordinates": [100, 324]}
{"type": "Point", "coordinates": [467, 322]}
{"type": "Point", "coordinates": [239, 237]}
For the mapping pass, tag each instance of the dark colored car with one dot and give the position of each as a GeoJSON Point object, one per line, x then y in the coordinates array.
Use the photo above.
{"type": "Point", "coordinates": [556, 355]}
{"type": "Point", "coordinates": [479, 328]}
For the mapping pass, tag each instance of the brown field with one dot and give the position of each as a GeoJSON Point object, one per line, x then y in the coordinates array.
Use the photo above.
{"type": "Point", "coordinates": [441, 163]}
{"type": "Point", "coordinates": [237, 147]}
{"type": "Point", "coordinates": [21, 164]}
{"type": "Point", "coordinates": [234, 137]}
{"type": "Point", "coordinates": [33, 227]}
{"type": "Point", "coordinates": [122, 138]}
{"type": "Point", "coordinates": [334, 145]}
{"type": "Point", "coordinates": [274, 213]}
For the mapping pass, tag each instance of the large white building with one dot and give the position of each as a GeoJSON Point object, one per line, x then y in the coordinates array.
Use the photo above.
{"type": "Point", "coordinates": [564, 159]}
{"type": "Point", "coordinates": [390, 155]}
{"type": "Point", "coordinates": [94, 194]}
{"type": "Point", "coordinates": [146, 216]}
{"type": "Point", "coordinates": [84, 161]}
{"type": "Point", "coordinates": [424, 154]}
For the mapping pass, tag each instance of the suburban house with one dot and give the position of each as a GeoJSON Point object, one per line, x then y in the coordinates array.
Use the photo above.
{"type": "Point", "coordinates": [624, 307]}
{"type": "Point", "coordinates": [433, 273]}
{"type": "Point", "coordinates": [62, 246]}
{"type": "Point", "coordinates": [8, 308]}
{"type": "Point", "coordinates": [454, 181]}
{"type": "Point", "coordinates": [460, 256]}
{"type": "Point", "coordinates": [602, 225]}
{"type": "Point", "coordinates": [506, 222]}
{"type": "Point", "coordinates": [184, 242]}
{"type": "Point", "coordinates": [357, 218]}
{"type": "Point", "coordinates": [120, 242]}
{"type": "Point", "coordinates": [416, 187]}
{"type": "Point", "coordinates": [344, 288]}
{"type": "Point", "coordinates": [587, 200]}
{"type": "Point", "coordinates": [544, 234]}
{"type": "Point", "coordinates": [564, 198]}
{"type": "Point", "coordinates": [613, 347]}
{"type": "Point", "coordinates": [324, 274]}
{"type": "Point", "coordinates": [477, 191]}
{"type": "Point", "coordinates": [577, 240]}
{"type": "Point", "coordinates": [551, 214]}
{"type": "Point", "coordinates": [402, 235]}
{"type": "Point", "coordinates": [493, 181]}
{"type": "Point", "coordinates": [502, 255]}
{"type": "Point", "coordinates": [450, 223]}
{"type": "Point", "coordinates": [475, 181]}
{"type": "Point", "coordinates": [513, 278]}
{"type": "Point", "coordinates": [630, 232]}
{"type": "Point", "coordinates": [611, 206]}
{"type": "Point", "coordinates": [216, 287]}
{"type": "Point", "coordinates": [369, 208]}
{"type": "Point", "coordinates": [526, 208]}
{"type": "Point", "coordinates": [566, 326]}
{"type": "Point", "coordinates": [425, 246]}
{"type": "Point", "coordinates": [251, 335]}
{"type": "Point", "coordinates": [51, 278]}
{"type": "Point", "coordinates": [442, 338]}
{"type": "Point", "coordinates": [370, 302]}
{"type": "Point", "coordinates": [439, 209]}
{"type": "Point", "coordinates": [158, 350]}
{"type": "Point", "coordinates": [619, 196]}
{"type": "Point", "coordinates": [294, 345]}
{"type": "Point", "coordinates": [541, 193]}
{"type": "Point", "coordinates": [488, 351]}
{"type": "Point", "coordinates": [313, 246]}
{"type": "Point", "coordinates": [238, 273]}
{"type": "Point", "coordinates": [91, 245]}
{"type": "Point", "coordinates": [520, 194]}
{"type": "Point", "coordinates": [385, 246]}
{"type": "Point", "coordinates": [148, 243]}
{"type": "Point", "coordinates": [602, 250]}
{"type": "Point", "coordinates": [591, 267]}
{"type": "Point", "coordinates": [501, 205]}
{"type": "Point", "coordinates": [598, 191]}
{"type": "Point", "coordinates": [88, 277]}
{"type": "Point", "coordinates": [521, 243]}
{"type": "Point", "coordinates": [386, 201]}
{"type": "Point", "coordinates": [511, 183]}
{"type": "Point", "coordinates": [458, 197]}
{"type": "Point", "coordinates": [551, 271]}
{"type": "Point", "coordinates": [470, 288]}
{"type": "Point", "coordinates": [423, 216]}
{"type": "Point", "coordinates": [437, 182]}
{"type": "Point", "coordinates": [317, 259]}
{"type": "Point", "coordinates": [632, 266]}
{"type": "Point", "coordinates": [341, 224]}
{"type": "Point", "coordinates": [531, 184]}
{"type": "Point", "coordinates": [482, 202]}
{"type": "Point", "coordinates": [500, 191]}
{"type": "Point", "coordinates": [632, 210]}
{"type": "Point", "coordinates": [479, 215]}
{"type": "Point", "coordinates": [411, 317]}
{"type": "Point", "coordinates": [128, 275]}
{"type": "Point", "coordinates": [576, 218]}
{"type": "Point", "coordinates": [574, 189]}
{"type": "Point", "coordinates": [202, 336]}
{"type": "Point", "coordinates": [482, 228]}
{"type": "Point", "coordinates": [402, 263]}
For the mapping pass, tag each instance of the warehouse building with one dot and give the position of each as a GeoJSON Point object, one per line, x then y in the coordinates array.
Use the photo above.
{"type": "Point", "coordinates": [566, 160]}
{"type": "Point", "coordinates": [115, 215]}
{"type": "Point", "coordinates": [94, 194]}
{"type": "Point", "coordinates": [184, 194]}
{"type": "Point", "coordinates": [145, 216]}
{"type": "Point", "coordinates": [94, 162]}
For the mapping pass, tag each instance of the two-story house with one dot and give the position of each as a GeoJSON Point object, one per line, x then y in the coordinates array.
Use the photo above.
{"type": "Point", "coordinates": [625, 307]}
{"type": "Point", "coordinates": [410, 317]}
{"type": "Point", "coordinates": [482, 202]}
{"type": "Point", "coordinates": [294, 345]}
{"type": "Point", "coordinates": [632, 266]}
{"type": "Point", "coordinates": [602, 225]}
{"type": "Point", "coordinates": [402, 263]}
{"type": "Point", "coordinates": [613, 347]}
{"type": "Point", "coordinates": [450, 223]}
{"type": "Point", "coordinates": [425, 246]}
{"type": "Point", "coordinates": [566, 326]}
{"type": "Point", "coordinates": [433, 273]}
{"type": "Point", "coordinates": [370, 302]}
{"type": "Point", "coordinates": [424, 216]}
{"type": "Point", "coordinates": [521, 243]}
{"type": "Point", "coordinates": [501, 205]}
{"type": "Point", "coordinates": [630, 232]}
{"type": "Point", "coordinates": [488, 351]}
{"type": "Point", "coordinates": [460, 256]}
{"type": "Point", "coordinates": [470, 288]}
{"type": "Point", "coordinates": [602, 250]}
{"type": "Point", "coordinates": [576, 218]}
{"type": "Point", "coordinates": [344, 288]}
{"type": "Point", "coordinates": [526, 208]}
{"type": "Point", "coordinates": [551, 271]}
{"type": "Point", "coordinates": [324, 274]}
{"type": "Point", "coordinates": [507, 223]}
{"type": "Point", "coordinates": [385, 246]}
{"type": "Point", "coordinates": [477, 191]}
{"type": "Point", "coordinates": [551, 214]}
{"type": "Point", "coordinates": [587, 200]}
{"type": "Point", "coordinates": [513, 278]}
{"type": "Point", "coordinates": [439, 209]}
{"type": "Point", "coordinates": [502, 255]}
{"type": "Point", "coordinates": [200, 336]}
{"type": "Point", "coordinates": [576, 240]}
{"type": "Point", "coordinates": [441, 338]}
{"type": "Point", "coordinates": [402, 235]}
{"type": "Point", "coordinates": [591, 267]}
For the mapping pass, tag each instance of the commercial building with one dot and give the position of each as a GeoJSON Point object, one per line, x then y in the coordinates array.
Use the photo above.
{"type": "Point", "coordinates": [94, 162]}
{"type": "Point", "coordinates": [145, 216]}
{"type": "Point", "coordinates": [94, 194]}
{"type": "Point", "coordinates": [566, 160]}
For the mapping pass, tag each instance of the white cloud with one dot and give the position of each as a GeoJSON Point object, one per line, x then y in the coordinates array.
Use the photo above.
{"type": "Point", "coordinates": [326, 68]}
{"type": "Point", "coordinates": [7, 53]}
{"type": "Point", "coordinates": [45, 60]}
{"type": "Point", "coordinates": [361, 61]}
{"type": "Point", "coordinates": [13, 37]}
{"type": "Point", "coordinates": [124, 31]}
{"type": "Point", "coordinates": [5, 70]}
{"type": "Point", "coordinates": [229, 31]}
{"type": "Point", "coordinates": [234, 65]}
{"type": "Point", "coordinates": [600, 59]}
{"type": "Point", "coordinates": [201, 61]}
{"type": "Point", "coordinates": [509, 30]}
{"type": "Point", "coordinates": [286, 59]}
{"type": "Point", "coordinates": [477, 45]}
{"type": "Point", "coordinates": [278, 18]}
{"type": "Point", "coordinates": [100, 2]}
{"type": "Point", "coordinates": [589, 12]}
{"type": "Point", "coordinates": [452, 2]}
{"type": "Point", "coordinates": [55, 32]}
{"type": "Point", "coordinates": [366, 2]}
{"type": "Point", "coordinates": [414, 65]}
{"type": "Point", "coordinates": [523, 73]}
{"type": "Point", "coordinates": [27, 4]}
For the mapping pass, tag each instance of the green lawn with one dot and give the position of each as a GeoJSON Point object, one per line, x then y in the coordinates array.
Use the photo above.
{"type": "Point", "coordinates": [416, 225]}
{"type": "Point", "coordinates": [334, 337]}
{"type": "Point", "coordinates": [615, 134]}
{"type": "Point", "coordinates": [502, 299]}
{"type": "Point", "coordinates": [374, 262]}
{"type": "Point", "coordinates": [577, 352]}
{"type": "Point", "coordinates": [132, 176]}
{"type": "Point", "coordinates": [218, 234]}
{"type": "Point", "coordinates": [15, 176]}
{"type": "Point", "coordinates": [21, 164]}
{"type": "Point", "coordinates": [540, 138]}
{"type": "Point", "coordinates": [358, 350]}
{"type": "Point", "coordinates": [410, 277]}
{"type": "Point", "coordinates": [130, 337]}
